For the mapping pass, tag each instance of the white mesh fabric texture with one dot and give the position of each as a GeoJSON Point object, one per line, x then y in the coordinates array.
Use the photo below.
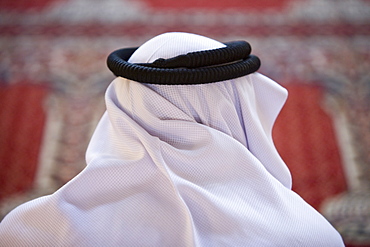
{"type": "Point", "coordinates": [178, 166]}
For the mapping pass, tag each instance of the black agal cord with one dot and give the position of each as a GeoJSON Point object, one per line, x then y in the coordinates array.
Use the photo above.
{"type": "Point", "coordinates": [199, 67]}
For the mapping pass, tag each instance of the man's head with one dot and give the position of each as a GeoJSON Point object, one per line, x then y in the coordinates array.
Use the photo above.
{"type": "Point", "coordinates": [183, 59]}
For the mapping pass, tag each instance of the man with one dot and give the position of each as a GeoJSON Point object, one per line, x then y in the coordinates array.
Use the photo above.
{"type": "Point", "coordinates": [183, 156]}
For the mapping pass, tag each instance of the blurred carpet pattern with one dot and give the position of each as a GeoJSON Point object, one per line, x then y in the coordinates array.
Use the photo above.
{"type": "Point", "coordinates": [53, 77]}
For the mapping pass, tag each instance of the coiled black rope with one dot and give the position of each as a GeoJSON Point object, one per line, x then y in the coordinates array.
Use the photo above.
{"type": "Point", "coordinates": [200, 67]}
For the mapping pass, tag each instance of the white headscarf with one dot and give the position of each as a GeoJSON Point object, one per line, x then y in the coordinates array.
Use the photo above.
{"type": "Point", "coordinates": [178, 165]}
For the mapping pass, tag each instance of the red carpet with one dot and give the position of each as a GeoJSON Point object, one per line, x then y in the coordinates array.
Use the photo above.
{"type": "Point", "coordinates": [304, 132]}
{"type": "Point", "coordinates": [218, 5]}
{"type": "Point", "coordinates": [21, 122]}
{"type": "Point", "coordinates": [306, 141]}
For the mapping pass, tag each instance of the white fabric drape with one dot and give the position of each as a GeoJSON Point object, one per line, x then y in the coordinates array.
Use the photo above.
{"type": "Point", "coordinates": [184, 165]}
